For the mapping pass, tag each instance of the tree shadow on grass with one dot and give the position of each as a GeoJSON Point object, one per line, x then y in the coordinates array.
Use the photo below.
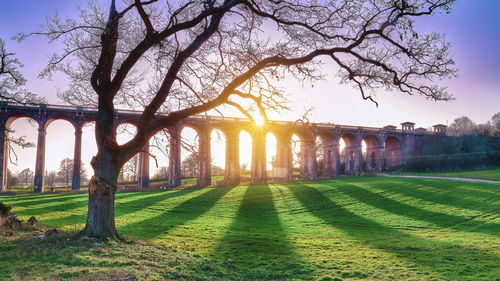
{"type": "Point", "coordinates": [120, 208]}
{"type": "Point", "coordinates": [188, 210]}
{"type": "Point", "coordinates": [440, 219]}
{"type": "Point", "coordinates": [39, 199]}
{"type": "Point", "coordinates": [136, 205]}
{"type": "Point", "coordinates": [479, 191]}
{"type": "Point", "coordinates": [257, 242]}
{"type": "Point", "coordinates": [452, 261]}
{"type": "Point", "coordinates": [60, 207]}
{"type": "Point", "coordinates": [444, 197]}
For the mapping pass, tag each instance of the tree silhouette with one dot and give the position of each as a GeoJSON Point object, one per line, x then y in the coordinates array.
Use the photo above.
{"type": "Point", "coordinates": [178, 59]}
{"type": "Point", "coordinates": [65, 172]}
{"type": "Point", "coordinates": [26, 176]}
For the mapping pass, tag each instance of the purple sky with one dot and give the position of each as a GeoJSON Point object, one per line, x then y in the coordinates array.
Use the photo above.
{"type": "Point", "coordinates": [473, 28]}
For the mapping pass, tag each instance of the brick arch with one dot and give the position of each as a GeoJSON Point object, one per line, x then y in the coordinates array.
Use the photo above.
{"type": "Point", "coordinates": [194, 127]}
{"type": "Point", "coordinates": [220, 135]}
{"type": "Point", "coordinates": [87, 121]}
{"type": "Point", "coordinates": [331, 158]}
{"type": "Point", "coordinates": [393, 152]}
{"type": "Point", "coordinates": [64, 117]}
{"type": "Point", "coordinates": [11, 118]}
{"type": "Point", "coordinates": [373, 160]}
{"type": "Point", "coordinates": [353, 158]}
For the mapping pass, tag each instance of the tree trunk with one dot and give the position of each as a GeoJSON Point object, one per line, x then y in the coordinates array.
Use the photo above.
{"type": "Point", "coordinates": [102, 188]}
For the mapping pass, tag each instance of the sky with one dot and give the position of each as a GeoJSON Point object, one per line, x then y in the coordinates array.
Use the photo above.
{"type": "Point", "coordinates": [472, 27]}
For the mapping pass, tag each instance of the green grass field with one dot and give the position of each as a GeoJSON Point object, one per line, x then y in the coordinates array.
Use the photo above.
{"type": "Point", "coordinates": [350, 229]}
{"type": "Point", "coordinates": [486, 174]}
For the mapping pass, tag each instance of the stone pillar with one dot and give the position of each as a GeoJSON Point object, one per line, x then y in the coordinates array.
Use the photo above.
{"type": "Point", "coordinates": [40, 160]}
{"type": "Point", "coordinates": [408, 148]}
{"type": "Point", "coordinates": [283, 157]}
{"type": "Point", "coordinates": [374, 159]}
{"type": "Point", "coordinates": [381, 160]}
{"type": "Point", "coordinates": [336, 160]}
{"type": "Point", "coordinates": [347, 160]}
{"type": "Point", "coordinates": [143, 173]}
{"type": "Point", "coordinates": [232, 167]}
{"type": "Point", "coordinates": [4, 156]}
{"type": "Point", "coordinates": [205, 161]}
{"type": "Point", "coordinates": [308, 165]}
{"type": "Point", "coordinates": [174, 162]}
{"type": "Point", "coordinates": [331, 158]}
{"type": "Point", "coordinates": [77, 158]}
{"type": "Point", "coordinates": [370, 158]}
{"type": "Point", "coordinates": [259, 170]}
{"type": "Point", "coordinates": [358, 160]}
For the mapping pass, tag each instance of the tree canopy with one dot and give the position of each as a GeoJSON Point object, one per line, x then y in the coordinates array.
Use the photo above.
{"type": "Point", "coordinates": [185, 57]}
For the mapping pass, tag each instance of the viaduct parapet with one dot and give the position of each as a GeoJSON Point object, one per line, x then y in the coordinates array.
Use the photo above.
{"type": "Point", "coordinates": [385, 147]}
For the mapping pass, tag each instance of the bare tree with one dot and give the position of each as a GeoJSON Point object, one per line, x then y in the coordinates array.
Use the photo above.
{"type": "Point", "coordinates": [11, 179]}
{"type": "Point", "coordinates": [26, 176]}
{"type": "Point", "coordinates": [244, 168]}
{"type": "Point", "coordinates": [12, 81]}
{"type": "Point", "coordinates": [65, 172]}
{"type": "Point", "coordinates": [50, 179]}
{"type": "Point", "coordinates": [130, 168]}
{"type": "Point", "coordinates": [495, 124]}
{"type": "Point", "coordinates": [84, 176]}
{"type": "Point", "coordinates": [462, 126]}
{"type": "Point", "coordinates": [187, 57]}
{"type": "Point", "coordinates": [485, 129]}
{"type": "Point", "coordinates": [161, 173]}
{"type": "Point", "coordinates": [216, 170]}
{"type": "Point", "coordinates": [12, 84]}
{"type": "Point", "coordinates": [189, 167]}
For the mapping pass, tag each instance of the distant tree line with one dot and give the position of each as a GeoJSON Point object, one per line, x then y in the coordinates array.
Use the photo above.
{"type": "Point", "coordinates": [464, 126]}
{"type": "Point", "coordinates": [467, 146]}
{"type": "Point", "coordinates": [62, 177]}
{"type": "Point", "coordinates": [189, 166]}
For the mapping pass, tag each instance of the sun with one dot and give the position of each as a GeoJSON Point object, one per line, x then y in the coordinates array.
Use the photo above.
{"type": "Point", "coordinates": [259, 121]}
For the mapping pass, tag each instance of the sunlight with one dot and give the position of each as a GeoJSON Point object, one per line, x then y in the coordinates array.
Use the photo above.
{"type": "Point", "coordinates": [259, 121]}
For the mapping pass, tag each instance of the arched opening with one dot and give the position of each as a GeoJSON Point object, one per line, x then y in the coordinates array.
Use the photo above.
{"type": "Point", "coordinates": [305, 155]}
{"type": "Point", "coordinates": [392, 153]}
{"type": "Point", "coordinates": [271, 156]}
{"type": "Point", "coordinates": [372, 155]}
{"type": "Point", "coordinates": [295, 156]}
{"type": "Point", "coordinates": [89, 148]}
{"type": "Point", "coordinates": [189, 156]}
{"type": "Point", "coordinates": [129, 172]}
{"type": "Point", "coordinates": [320, 155]}
{"type": "Point", "coordinates": [59, 155]}
{"type": "Point", "coordinates": [342, 155]}
{"type": "Point", "coordinates": [351, 154]}
{"type": "Point", "coordinates": [21, 159]}
{"type": "Point", "coordinates": [159, 148]}
{"type": "Point", "coordinates": [245, 144]}
{"type": "Point", "coordinates": [218, 155]}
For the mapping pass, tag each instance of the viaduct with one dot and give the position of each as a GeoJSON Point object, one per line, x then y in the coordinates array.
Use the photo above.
{"type": "Point", "coordinates": [385, 147]}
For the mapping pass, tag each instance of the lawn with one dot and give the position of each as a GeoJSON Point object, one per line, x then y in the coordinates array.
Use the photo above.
{"type": "Point", "coordinates": [486, 174]}
{"type": "Point", "coordinates": [349, 229]}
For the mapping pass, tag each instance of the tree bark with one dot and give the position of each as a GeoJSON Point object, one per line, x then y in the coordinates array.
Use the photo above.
{"type": "Point", "coordinates": [102, 186]}
{"type": "Point", "coordinates": [102, 189]}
